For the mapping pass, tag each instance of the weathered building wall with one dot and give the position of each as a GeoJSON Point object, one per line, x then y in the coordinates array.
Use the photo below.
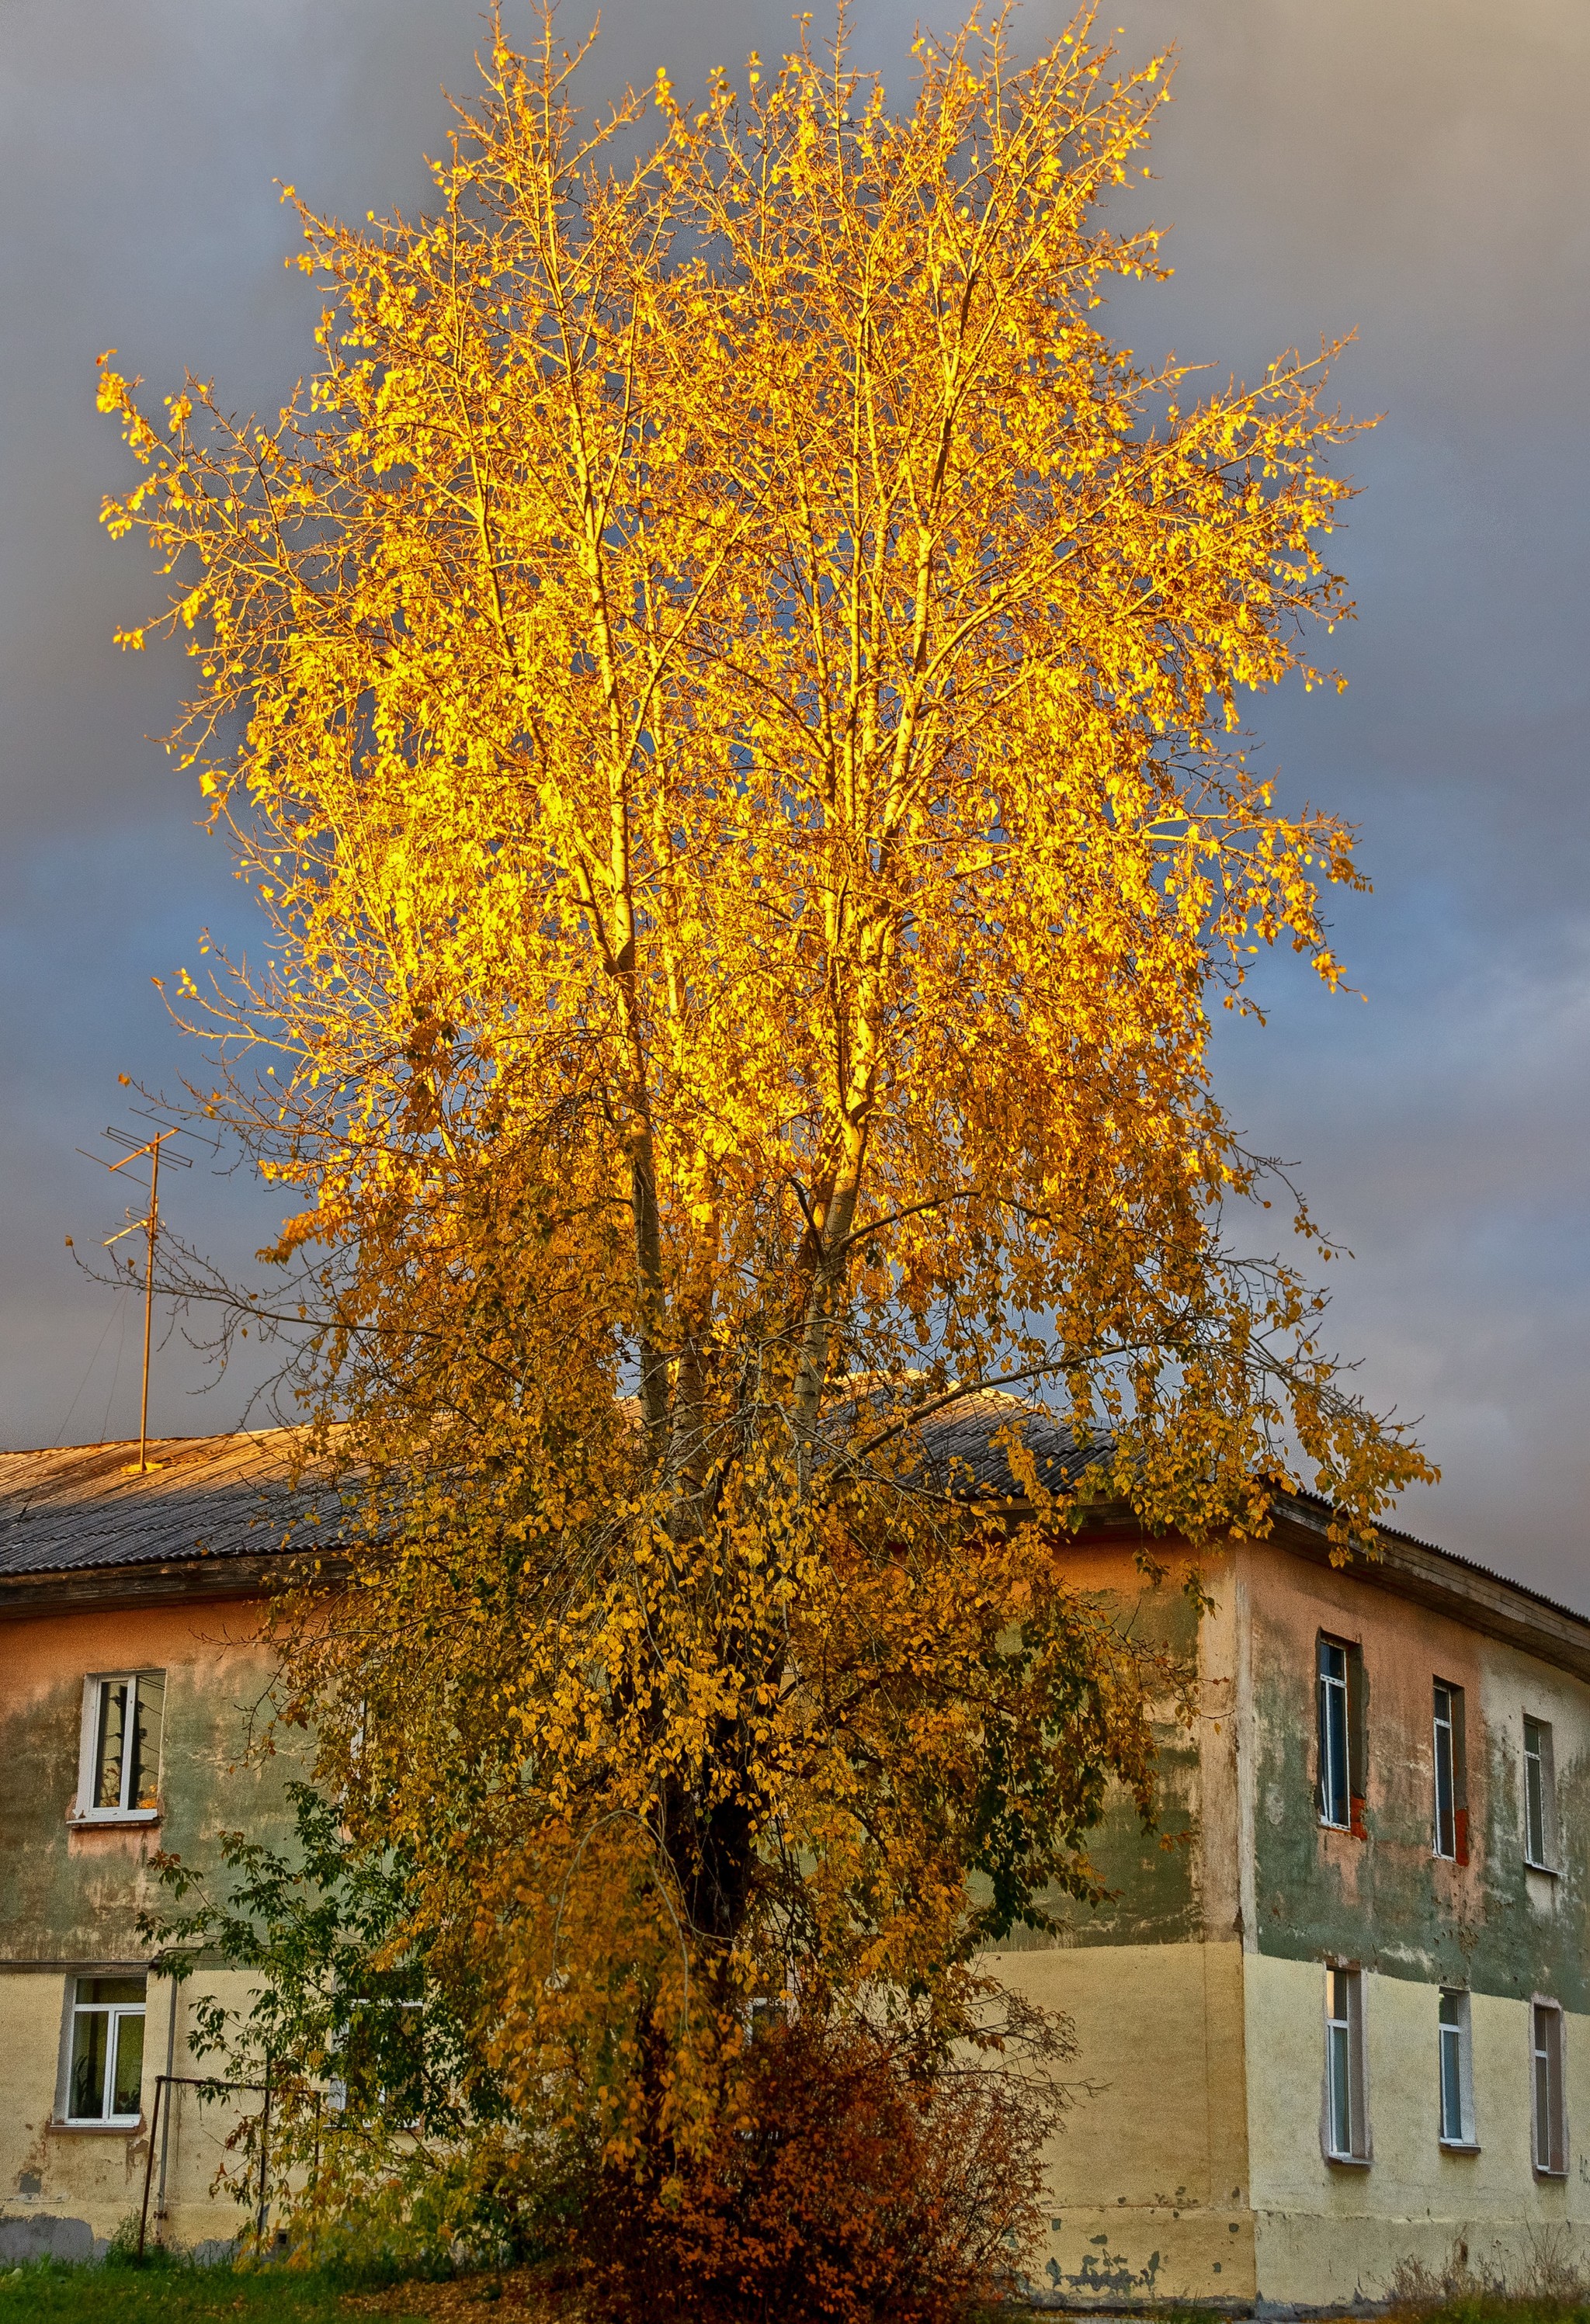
{"type": "Point", "coordinates": [1149, 2180]}
{"type": "Point", "coordinates": [71, 1893]}
{"type": "Point", "coordinates": [1386, 1898]}
{"type": "Point", "coordinates": [1193, 2164]}
{"type": "Point", "coordinates": [1328, 2232]}
{"type": "Point", "coordinates": [1155, 1879]}
{"type": "Point", "coordinates": [1416, 1923]}
{"type": "Point", "coordinates": [65, 2189]}
{"type": "Point", "coordinates": [1198, 1992]}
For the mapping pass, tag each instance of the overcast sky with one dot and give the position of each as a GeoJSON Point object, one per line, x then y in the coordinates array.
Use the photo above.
{"type": "Point", "coordinates": [1413, 169]}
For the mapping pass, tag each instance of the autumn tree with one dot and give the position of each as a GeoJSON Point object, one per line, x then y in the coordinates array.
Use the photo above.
{"type": "Point", "coordinates": [727, 688]}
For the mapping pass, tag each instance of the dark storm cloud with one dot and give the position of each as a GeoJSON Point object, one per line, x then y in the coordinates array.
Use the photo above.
{"type": "Point", "coordinates": [1411, 169]}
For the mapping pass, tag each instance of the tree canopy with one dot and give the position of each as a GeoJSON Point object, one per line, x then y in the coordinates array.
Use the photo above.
{"type": "Point", "coordinates": [728, 687]}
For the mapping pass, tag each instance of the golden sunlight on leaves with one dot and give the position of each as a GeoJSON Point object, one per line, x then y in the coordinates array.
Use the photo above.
{"type": "Point", "coordinates": [724, 684]}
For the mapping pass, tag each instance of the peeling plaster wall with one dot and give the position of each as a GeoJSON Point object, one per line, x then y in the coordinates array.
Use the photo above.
{"type": "Point", "coordinates": [1149, 2180]}
{"type": "Point", "coordinates": [73, 1892]}
{"type": "Point", "coordinates": [1329, 2232]}
{"type": "Point", "coordinates": [70, 1897]}
{"type": "Point", "coordinates": [1197, 1991]}
{"type": "Point", "coordinates": [1192, 2165]}
{"type": "Point", "coordinates": [1156, 1878]}
{"type": "Point", "coordinates": [1385, 1899]}
{"type": "Point", "coordinates": [65, 2190]}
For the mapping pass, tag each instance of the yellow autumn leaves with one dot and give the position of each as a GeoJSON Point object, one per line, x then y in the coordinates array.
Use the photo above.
{"type": "Point", "coordinates": [737, 673]}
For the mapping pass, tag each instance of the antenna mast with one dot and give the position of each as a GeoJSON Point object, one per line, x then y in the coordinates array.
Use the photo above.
{"type": "Point", "coordinates": [152, 1227]}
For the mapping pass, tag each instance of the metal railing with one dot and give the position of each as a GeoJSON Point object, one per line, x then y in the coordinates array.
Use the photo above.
{"type": "Point", "coordinates": [212, 2086]}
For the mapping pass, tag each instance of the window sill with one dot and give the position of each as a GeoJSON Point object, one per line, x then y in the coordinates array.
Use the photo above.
{"type": "Point", "coordinates": [135, 1820]}
{"type": "Point", "coordinates": [127, 2129]}
{"type": "Point", "coordinates": [1551, 1872]}
{"type": "Point", "coordinates": [1348, 2161]}
{"type": "Point", "coordinates": [1459, 2145]}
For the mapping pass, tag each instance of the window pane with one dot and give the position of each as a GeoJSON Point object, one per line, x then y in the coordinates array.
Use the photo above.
{"type": "Point", "coordinates": [1332, 1731]}
{"type": "Point", "coordinates": [97, 1990]}
{"type": "Point", "coordinates": [1537, 1804]}
{"type": "Point", "coordinates": [1451, 2081]}
{"type": "Point", "coordinates": [91, 2041]}
{"type": "Point", "coordinates": [1542, 2095]}
{"type": "Point", "coordinates": [1340, 2112]}
{"type": "Point", "coordinates": [128, 2081]}
{"type": "Point", "coordinates": [1534, 1806]}
{"type": "Point", "coordinates": [1548, 2044]}
{"type": "Point", "coordinates": [1445, 1842]}
{"type": "Point", "coordinates": [108, 1759]}
{"type": "Point", "coordinates": [1446, 1830]}
{"type": "Point", "coordinates": [1334, 1753]}
{"type": "Point", "coordinates": [144, 1778]}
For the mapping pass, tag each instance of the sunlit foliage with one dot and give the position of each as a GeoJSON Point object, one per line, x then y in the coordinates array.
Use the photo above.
{"type": "Point", "coordinates": [727, 688]}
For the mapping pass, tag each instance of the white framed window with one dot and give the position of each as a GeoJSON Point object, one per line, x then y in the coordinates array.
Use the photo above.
{"type": "Point", "coordinates": [1339, 1703]}
{"type": "Point", "coordinates": [1334, 1796]}
{"type": "Point", "coordinates": [1347, 2077]}
{"type": "Point", "coordinates": [1455, 2050]}
{"type": "Point", "coordinates": [1450, 1836]}
{"type": "Point", "coordinates": [1539, 1797]}
{"type": "Point", "coordinates": [105, 2070]}
{"type": "Point", "coordinates": [1549, 2129]}
{"type": "Point", "coordinates": [118, 1766]}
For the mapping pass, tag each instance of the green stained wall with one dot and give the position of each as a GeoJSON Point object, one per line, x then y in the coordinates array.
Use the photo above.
{"type": "Point", "coordinates": [1250, 1857]}
{"type": "Point", "coordinates": [71, 1892]}
{"type": "Point", "coordinates": [1385, 1899]}
{"type": "Point", "coordinates": [1154, 1889]}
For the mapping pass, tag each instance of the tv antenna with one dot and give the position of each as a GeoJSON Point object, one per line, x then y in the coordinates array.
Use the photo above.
{"type": "Point", "coordinates": [149, 1226]}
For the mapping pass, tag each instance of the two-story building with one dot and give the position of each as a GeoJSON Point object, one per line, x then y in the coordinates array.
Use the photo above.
{"type": "Point", "coordinates": [1346, 2022]}
{"type": "Point", "coordinates": [1341, 2020]}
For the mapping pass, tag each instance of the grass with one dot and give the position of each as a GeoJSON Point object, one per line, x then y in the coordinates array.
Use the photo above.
{"type": "Point", "coordinates": [180, 2294]}
{"type": "Point", "coordinates": [172, 2295]}
{"type": "Point", "coordinates": [177, 2292]}
{"type": "Point", "coordinates": [1494, 2307]}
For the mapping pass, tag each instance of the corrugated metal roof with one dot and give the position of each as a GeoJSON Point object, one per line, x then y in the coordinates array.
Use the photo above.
{"type": "Point", "coordinates": [964, 1459]}
{"type": "Point", "coordinates": [85, 1508]}
{"type": "Point", "coordinates": [964, 1456]}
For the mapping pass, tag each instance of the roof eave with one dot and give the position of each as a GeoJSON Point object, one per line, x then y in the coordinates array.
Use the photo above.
{"type": "Point", "coordinates": [1438, 1579]}
{"type": "Point", "coordinates": [159, 1582]}
{"type": "Point", "coordinates": [1445, 1583]}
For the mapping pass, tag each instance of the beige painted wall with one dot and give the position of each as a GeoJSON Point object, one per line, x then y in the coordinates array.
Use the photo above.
{"type": "Point", "coordinates": [1193, 2168]}
{"type": "Point", "coordinates": [1328, 2231]}
{"type": "Point", "coordinates": [1148, 2180]}
{"type": "Point", "coordinates": [69, 2188]}
{"type": "Point", "coordinates": [69, 1890]}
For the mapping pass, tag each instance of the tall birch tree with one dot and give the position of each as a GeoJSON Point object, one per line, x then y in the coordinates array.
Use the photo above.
{"type": "Point", "coordinates": [728, 687]}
